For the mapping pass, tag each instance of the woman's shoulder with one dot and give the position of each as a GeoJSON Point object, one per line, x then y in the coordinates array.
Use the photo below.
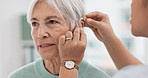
{"type": "Point", "coordinates": [86, 70]}
{"type": "Point", "coordinates": [22, 72]}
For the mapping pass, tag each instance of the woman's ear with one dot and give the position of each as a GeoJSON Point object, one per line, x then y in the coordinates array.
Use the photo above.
{"type": "Point", "coordinates": [82, 23]}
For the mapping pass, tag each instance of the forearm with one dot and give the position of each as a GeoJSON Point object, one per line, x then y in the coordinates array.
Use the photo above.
{"type": "Point", "coordinates": [119, 54]}
{"type": "Point", "coordinates": [66, 73]}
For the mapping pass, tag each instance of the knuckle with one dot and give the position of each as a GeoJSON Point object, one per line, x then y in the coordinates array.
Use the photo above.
{"type": "Point", "coordinates": [83, 45]}
{"type": "Point", "coordinates": [76, 31]}
{"type": "Point", "coordinates": [96, 12]}
{"type": "Point", "coordinates": [68, 32]}
{"type": "Point", "coordinates": [75, 44]}
{"type": "Point", "coordinates": [106, 16]}
{"type": "Point", "coordinates": [60, 37]}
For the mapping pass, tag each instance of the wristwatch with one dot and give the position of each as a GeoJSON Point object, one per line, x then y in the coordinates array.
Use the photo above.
{"type": "Point", "coordinates": [70, 65]}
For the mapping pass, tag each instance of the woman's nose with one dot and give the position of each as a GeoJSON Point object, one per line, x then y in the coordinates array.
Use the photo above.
{"type": "Point", "coordinates": [43, 33]}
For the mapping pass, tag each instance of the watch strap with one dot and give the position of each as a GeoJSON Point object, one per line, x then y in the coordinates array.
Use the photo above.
{"type": "Point", "coordinates": [75, 66]}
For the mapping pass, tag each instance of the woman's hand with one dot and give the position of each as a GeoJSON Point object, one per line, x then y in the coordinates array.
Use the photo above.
{"type": "Point", "coordinates": [74, 48]}
{"type": "Point", "coordinates": [100, 25]}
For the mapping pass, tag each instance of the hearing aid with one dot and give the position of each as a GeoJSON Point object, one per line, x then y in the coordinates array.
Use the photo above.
{"type": "Point", "coordinates": [83, 21]}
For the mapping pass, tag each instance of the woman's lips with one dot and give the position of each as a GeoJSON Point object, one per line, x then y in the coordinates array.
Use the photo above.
{"type": "Point", "coordinates": [45, 46]}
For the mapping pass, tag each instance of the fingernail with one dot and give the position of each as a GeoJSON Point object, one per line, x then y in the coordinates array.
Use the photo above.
{"type": "Point", "coordinates": [88, 20]}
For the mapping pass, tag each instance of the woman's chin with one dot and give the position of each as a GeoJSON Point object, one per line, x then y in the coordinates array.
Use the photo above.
{"type": "Point", "coordinates": [48, 55]}
{"type": "Point", "coordinates": [134, 32]}
{"type": "Point", "coordinates": [138, 33]}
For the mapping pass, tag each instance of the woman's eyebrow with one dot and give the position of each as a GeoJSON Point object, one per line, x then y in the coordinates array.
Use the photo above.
{"type": "Point", "coordinates": [34, 19]}
{"type": "Point", "coordinates": [50, 17]}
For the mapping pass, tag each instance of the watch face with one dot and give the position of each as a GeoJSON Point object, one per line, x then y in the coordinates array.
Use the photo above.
{"type": "Point", "coordinates": [69, 64]}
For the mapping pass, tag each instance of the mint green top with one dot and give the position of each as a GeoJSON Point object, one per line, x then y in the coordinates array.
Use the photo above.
{"type": "Point", "coordinates": [36, 69]}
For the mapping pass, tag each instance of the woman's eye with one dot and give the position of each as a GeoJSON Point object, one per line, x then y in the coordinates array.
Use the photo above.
{"type": "Point", "coordinates": [52, 22]}
{"type": "Point", "coordinates": [34, 23]}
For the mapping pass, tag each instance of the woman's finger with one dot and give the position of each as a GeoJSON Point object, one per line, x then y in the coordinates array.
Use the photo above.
{"type": "Point", "coordinates": [97, 15]}
{"type": "Point", "coordinates": [83, 37]}
{"type": "Point", "coordinates": [95, 24]}
{"type": "Point", "coordinates": [62, 40]}
{"type": "Point", "coordinates": [76, 35]}
{"type": "Point", "coordinates": [69, 36]}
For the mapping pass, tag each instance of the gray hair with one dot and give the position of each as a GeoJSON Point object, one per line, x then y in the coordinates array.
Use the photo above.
{"type": "Point", "coordinates": [72, 10]}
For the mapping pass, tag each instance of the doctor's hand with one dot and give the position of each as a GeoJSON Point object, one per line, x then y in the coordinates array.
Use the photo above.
{"type": "Point", "coordinates": [72, 46]}
{"type": "Point", "coordinates": [100, 25]}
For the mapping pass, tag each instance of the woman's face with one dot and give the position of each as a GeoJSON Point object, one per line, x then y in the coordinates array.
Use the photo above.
{"type": "Point", "coordinates": [47, 27]}
{"type": "Point", "coordinates": [139, 18]}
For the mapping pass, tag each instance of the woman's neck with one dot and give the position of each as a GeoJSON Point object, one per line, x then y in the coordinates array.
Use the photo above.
{"type": "Point", "coordinates": [53, 65]}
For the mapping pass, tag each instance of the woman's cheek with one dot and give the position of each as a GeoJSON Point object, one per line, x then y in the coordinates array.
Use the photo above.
{"type": "Point", "coordinates": [59, 32]}
{"type": "Point", "coordinates": [34, 37]}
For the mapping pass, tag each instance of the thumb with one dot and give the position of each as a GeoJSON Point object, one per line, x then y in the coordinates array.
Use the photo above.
{"type": "Point", "coordinates": [94, 23]}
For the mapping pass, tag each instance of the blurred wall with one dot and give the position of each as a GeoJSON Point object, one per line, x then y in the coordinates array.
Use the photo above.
{"type": "Point", "coordinates": [11, 56]}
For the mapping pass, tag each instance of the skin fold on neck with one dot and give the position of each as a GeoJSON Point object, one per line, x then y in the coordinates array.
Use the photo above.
{"type": "Point", "coordinates": [53, 65]}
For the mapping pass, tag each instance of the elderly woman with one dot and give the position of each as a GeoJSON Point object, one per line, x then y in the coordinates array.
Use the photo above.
{"type": "Point", "coordinates": [56, 27]}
